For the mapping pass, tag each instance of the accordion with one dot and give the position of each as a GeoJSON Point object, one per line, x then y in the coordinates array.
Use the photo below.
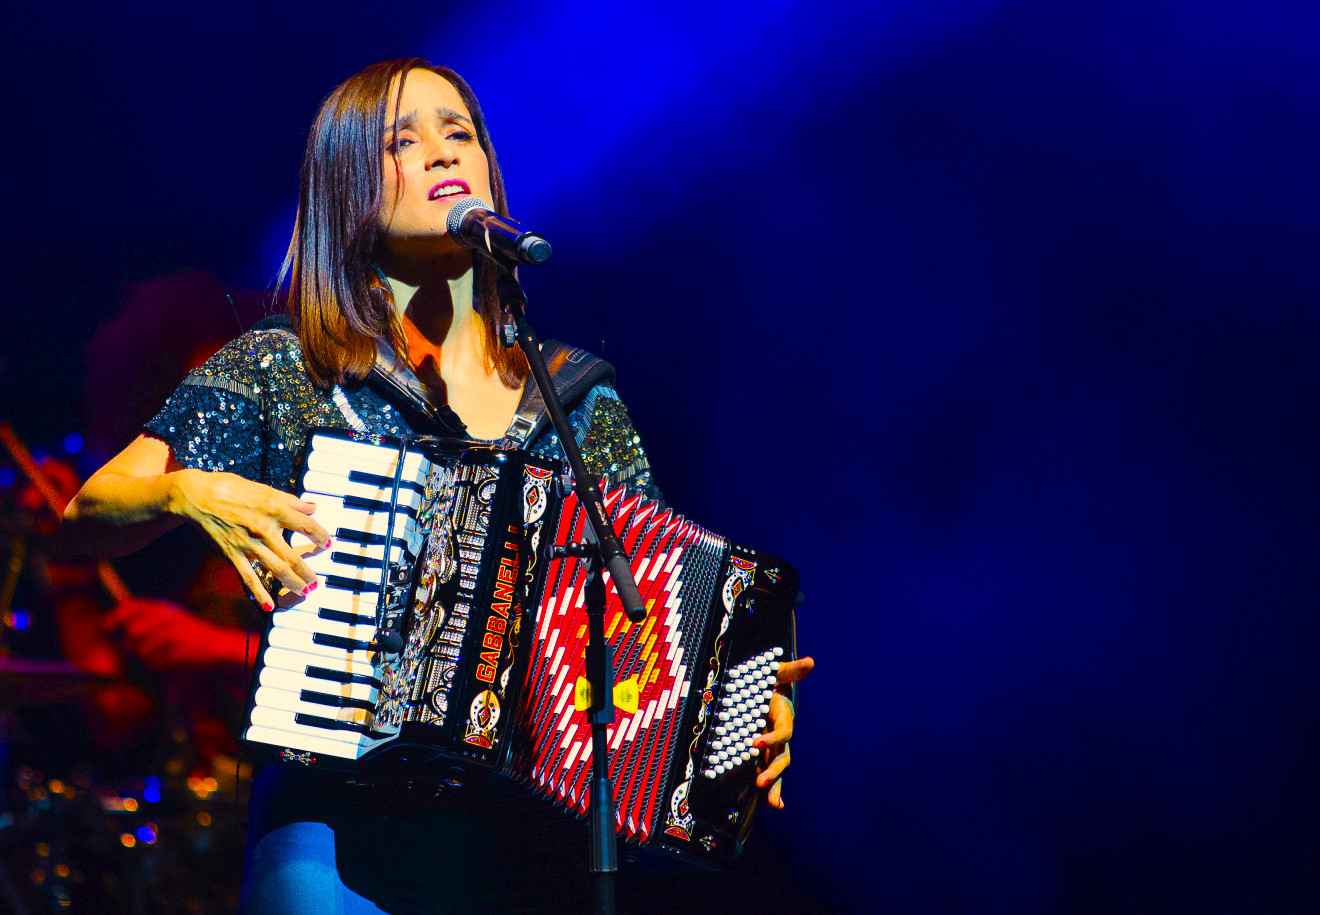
{"type": "Point", "coordinates": [444, 643]}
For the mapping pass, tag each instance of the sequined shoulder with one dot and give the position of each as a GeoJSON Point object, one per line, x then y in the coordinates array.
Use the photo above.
{"type": "Point", "coordinates": [258, 361]}
{"type": "Point", "coordinates": [610, 444]}
{"type": "Point", "coordinates": [247, 409]}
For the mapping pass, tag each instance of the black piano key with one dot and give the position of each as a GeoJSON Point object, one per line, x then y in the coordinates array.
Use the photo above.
{"type": "Point", "coordinates": [376, 479]}
{"type": "Point", "coordinates": [348, 535]}
{"type": "Point", "coordinates": [353, 559]}
{"type": "Point", "coordinates": [338, 641]}
{"type": "Point", "coordinates": [331, 724]}
{"type": "Point", "coordinates": [344, 583]}
{"type": "Point", "coordinates": [316, 698]}
{"type": "Point", "coordinates": [376, 505]}
{"type": "Point", "coordinates": [343, 616]}
{"type": "Point", "coordinates": [341, 676]}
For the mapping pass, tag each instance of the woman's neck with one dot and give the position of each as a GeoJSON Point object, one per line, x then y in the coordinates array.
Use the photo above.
{"type": "Point", "coordinates": [433, 298]}
{"type": "Point", "coordinates": [447, 340]}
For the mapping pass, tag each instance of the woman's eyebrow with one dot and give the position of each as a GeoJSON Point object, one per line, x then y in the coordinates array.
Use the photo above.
{"type": "Point", "coordinates": [406, 121]}
{"type": "Point", "coordinates": [449, 114]}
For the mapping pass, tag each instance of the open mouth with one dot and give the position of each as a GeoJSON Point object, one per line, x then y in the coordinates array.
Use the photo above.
{"type": "Point", "coordinates": [450, 188]}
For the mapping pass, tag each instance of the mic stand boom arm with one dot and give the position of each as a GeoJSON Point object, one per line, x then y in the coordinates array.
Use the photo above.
{"type": "Point", "coordinates": [610, 546]}
{"type": "Point", "coordinates": [603, 552]}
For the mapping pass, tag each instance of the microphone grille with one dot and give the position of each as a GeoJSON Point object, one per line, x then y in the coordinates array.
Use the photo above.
{"type": "Point", "coordinates": [461, 209]}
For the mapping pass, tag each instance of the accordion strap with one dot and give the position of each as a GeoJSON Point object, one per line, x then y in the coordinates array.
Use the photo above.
{"type": "Point", "coordinates": [396, 377]}
{"type": "Point", "coordinates": [574, 371]}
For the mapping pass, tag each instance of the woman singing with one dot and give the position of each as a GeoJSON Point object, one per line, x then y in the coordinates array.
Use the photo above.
{"type": "Point", "coordinates": [372, 277]}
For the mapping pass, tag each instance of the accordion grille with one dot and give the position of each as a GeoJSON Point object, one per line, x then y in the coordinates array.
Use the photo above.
{"type": "Point", "coordinates": [676, 564]}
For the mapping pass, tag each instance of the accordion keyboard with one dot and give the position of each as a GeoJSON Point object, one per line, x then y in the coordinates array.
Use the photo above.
{"type": "Point", "coordinates": [320, 675]}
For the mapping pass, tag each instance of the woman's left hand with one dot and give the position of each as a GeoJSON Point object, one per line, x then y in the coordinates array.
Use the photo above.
{"type": "Point", "coordinates": [774, 742]}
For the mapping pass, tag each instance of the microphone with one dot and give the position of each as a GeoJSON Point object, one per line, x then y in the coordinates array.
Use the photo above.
{"type": "Point", "coordinates": [473, 223]}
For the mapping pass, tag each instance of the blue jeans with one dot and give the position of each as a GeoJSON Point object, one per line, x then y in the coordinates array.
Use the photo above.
{"type": "Point", "coordinates": [314, 848]}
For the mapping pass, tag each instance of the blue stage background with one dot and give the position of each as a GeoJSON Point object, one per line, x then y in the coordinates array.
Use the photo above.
{"type": "Point", "coordinates": [999, 320]}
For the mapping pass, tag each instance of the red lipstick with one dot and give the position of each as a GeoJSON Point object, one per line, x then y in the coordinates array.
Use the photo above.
{"type": "Point", "coordinates": [454, 187]}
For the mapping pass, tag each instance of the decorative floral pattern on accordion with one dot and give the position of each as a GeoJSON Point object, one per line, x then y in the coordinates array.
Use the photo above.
{"type": "Point", "coordinates": [469, 518]}
{"type": "Point", "coordinates": [483, 716]}
{"type": "Point", "coordinates": [429, 614]}
{"type": "Point", "coordinates": [679, 820]}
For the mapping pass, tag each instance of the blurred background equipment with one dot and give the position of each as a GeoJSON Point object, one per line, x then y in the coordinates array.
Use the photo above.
{"type": "Point", "coordinates": [107, 772]}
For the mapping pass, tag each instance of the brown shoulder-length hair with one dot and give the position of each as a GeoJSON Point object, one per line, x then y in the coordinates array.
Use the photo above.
{"type": "Point", "coordinates": [339, 303]}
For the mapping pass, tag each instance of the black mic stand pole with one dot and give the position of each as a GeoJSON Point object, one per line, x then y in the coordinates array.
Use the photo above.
{"type": "Point", "coordinates": [603, 551]}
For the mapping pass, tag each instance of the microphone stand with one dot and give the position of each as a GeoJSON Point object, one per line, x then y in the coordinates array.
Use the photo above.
{"type": "Point", "coordinates": [602, 551]}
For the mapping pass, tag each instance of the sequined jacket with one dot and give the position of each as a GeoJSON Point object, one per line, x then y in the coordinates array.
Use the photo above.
{"type": "Point", "coordinates": [250, 408]}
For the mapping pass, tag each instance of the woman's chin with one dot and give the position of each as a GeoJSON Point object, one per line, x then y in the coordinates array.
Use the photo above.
{"type": "Point", "coordinates": [423, 246]}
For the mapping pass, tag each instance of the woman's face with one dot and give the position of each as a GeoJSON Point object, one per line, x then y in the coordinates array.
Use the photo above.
{"type": "Point", "coordinates": [432, 161]}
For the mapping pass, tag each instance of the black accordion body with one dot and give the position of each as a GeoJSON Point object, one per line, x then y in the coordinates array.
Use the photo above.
{"type": "Point", "coordinates": [443, 643]}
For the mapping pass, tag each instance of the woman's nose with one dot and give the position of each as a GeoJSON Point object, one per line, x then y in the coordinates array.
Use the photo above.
{"type": "Point", "coordinates": [442, 154]}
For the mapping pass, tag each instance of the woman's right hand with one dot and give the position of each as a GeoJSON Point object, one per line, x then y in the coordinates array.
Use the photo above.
{"type": "Point", "coordinates": [247, 521]}
{"type": "Point", "coordinates": [143, 492]}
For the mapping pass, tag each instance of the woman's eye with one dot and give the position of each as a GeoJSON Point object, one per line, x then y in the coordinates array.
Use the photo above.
{"type": "Point", "coordinates": [399, 143]}
{"type": "Point", "coordinates": [462, 136]}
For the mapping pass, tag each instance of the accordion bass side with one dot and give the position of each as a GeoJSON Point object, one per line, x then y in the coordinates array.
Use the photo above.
{"type": "Point", "coordinates": [490, 674]}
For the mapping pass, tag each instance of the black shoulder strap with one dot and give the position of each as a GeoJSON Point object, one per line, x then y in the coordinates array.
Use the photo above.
{"type": "Point", "coordinates": [394, 379]}
{"type": "Point", "coordinates": [574, 373]}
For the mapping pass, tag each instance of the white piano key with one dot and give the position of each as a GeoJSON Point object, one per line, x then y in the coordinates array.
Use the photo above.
{"type": "Point", "coordinates": [415, 468]}
{"type": "Point", "coordinates": [298, 662]}
{"type": "Point", "coordinates": [324, 564]}
{"type": "Point", "coordinates": [310, 622]}
{"type": "Point", "coordinates": [365, 454]}
{"type": "Point", "coordinates": [287, 700]}
{"type": "Point", "coordinates": [296, 680]}
{"type": "Point", "coordinates": [333, 515]}
{"type": "Point", "coordinates": [362, 603]}
{"type": "Point", "coordinates": [305, 742]}
{"type": "Point", "coordinates": [296, 640]}
{"type": "Point", "coordinates": [315, 482]}
{"type": "Point", "coordinates": [370, 551]}
{"type": "Point", "coordinates": [283, 719]}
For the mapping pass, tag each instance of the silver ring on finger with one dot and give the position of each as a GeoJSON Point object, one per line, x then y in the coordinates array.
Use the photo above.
{"type": "Point", "coordinates": [267, 578]}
